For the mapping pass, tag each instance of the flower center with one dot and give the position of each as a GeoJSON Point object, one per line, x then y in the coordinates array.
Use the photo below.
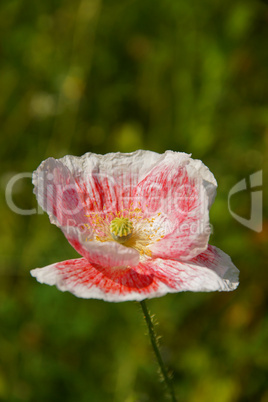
{"type": "Point", "coordinates": [129, 227]}
{"type": "Point", "coordinates": [121, 229]}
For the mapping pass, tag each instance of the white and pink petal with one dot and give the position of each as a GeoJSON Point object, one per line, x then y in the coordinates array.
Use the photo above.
{"type": "Point", "coordinates": [71, 188]}
{"type": "Point", "coordinates": [109, 180]}
{"type": "Point", "coordinates": [212, 270]}
{"type": "Point", "coordinates": [56, 192]}
{"type": "Point", "coordinates": [175, 189]}
{"type": "Point", "coordinates": [88, 281]}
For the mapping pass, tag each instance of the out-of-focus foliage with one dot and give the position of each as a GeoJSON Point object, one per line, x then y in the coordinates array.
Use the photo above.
{"type": "Point", "coordinates": [100, 76]}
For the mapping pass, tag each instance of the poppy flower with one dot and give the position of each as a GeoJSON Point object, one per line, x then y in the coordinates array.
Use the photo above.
{"type": "Point", "coordinates": [140, 222]}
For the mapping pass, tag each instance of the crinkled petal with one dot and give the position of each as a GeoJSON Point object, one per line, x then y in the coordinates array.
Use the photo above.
{"type": "Point", "coordinates": [175, 190]}
{"type": "Point", "coordinates": [74, 190]}
{"type": "Point", "coordinates": [87, 280]}
{"type": "Point", "coordinates": [209, 180]}
{"type": "Point", "coordinates": [210, 271]}
{"type": "Point", "coordinates": [108, 181]}
{"type": "Point", "coordinates": [71, 187]}
{"type": "Point", "coordinates": [56, 192]}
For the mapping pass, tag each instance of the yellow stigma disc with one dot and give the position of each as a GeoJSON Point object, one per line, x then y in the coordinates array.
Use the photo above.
{"type": "Point", "coordinates": [121, 229]}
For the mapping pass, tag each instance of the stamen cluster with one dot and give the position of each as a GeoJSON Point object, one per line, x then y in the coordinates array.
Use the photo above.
{"type": "Point", "coordinates": [130, 227]}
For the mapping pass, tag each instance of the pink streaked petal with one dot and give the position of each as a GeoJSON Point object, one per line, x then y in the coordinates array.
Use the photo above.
{"type": "Point", "coordinates": [213, 270]}
{"type": "Point", "coordinates": [56, 192]}
{"type": "Point", "coordinates": [71, 188]}
{"type": "Point", "coordinates": [107, 254]}
{"type": "Point", "coordinates": [87, 280]}
{"type": "Point", "coordinates": [109, 180]}
{"type": "Point", "coordinates": [210, 271]}
{"type": "Point", "coordinates": [175, 189]}
{"type": "Point", "coordinates": [219, 262]}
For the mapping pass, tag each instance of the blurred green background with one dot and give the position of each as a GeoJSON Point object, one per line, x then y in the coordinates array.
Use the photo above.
{"type": "Point", "coordinates": [102, 76]}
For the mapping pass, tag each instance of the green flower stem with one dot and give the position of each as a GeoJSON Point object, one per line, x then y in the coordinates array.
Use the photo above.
{"type": "Point", "coordinates": [153, 338]}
